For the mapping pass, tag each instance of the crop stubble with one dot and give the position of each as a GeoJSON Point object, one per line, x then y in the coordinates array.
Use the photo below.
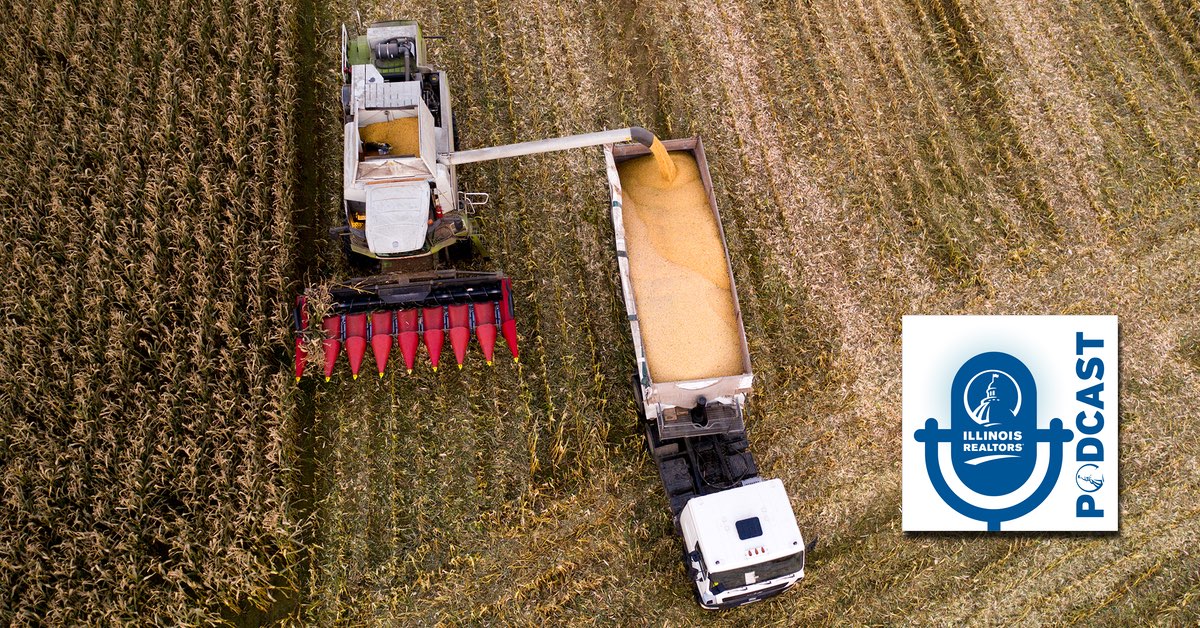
{"type": "Point", "coordinates": [870, 159]}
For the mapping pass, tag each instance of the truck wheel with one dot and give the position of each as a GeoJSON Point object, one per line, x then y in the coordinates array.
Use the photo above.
{"type": "Point", "coordinates": [636, 383]}
{"type": "Point", "coordinates": [691, 573]}
{"type": "Point", "coordinates": [687, 565]}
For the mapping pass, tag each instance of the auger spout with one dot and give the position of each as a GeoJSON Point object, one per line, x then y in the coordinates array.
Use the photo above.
{"type": "Point", "coordinates": [599, 138]}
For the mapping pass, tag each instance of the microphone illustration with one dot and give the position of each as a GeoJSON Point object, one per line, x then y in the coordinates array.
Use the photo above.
{"type": "Point", "coordinates": [994, 443]}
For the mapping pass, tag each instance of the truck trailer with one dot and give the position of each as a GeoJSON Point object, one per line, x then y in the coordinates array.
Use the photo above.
{"type": "Point", "coordinates": [740, 539]}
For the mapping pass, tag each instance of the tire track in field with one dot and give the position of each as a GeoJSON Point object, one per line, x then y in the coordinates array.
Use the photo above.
{"type": "Point", "coordinates": [1133, 67]}
{"type": "Point", "coordinates": [886, 131]}
{"type": "Point", "coordinates": [834, 263]}
{"type": "Point", "coordinates": [982, 82]}
{"type": "Point", "coordinates": [870, 93]}
{"type": "Point", "coordinates": [1045, 107]}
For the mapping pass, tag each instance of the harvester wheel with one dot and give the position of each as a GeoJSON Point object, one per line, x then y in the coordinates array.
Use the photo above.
{"type": "Point", "coordinates": [359, 264]}
{"type": "Point", "coordinates": [461, 251]}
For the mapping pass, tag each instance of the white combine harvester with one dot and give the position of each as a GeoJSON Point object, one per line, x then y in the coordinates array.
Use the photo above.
{"type": "Point", "coordinates": [407, 224]}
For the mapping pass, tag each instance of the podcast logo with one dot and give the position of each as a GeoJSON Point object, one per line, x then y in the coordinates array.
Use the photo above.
{"type": "Point", "coordinates": [990, 442]}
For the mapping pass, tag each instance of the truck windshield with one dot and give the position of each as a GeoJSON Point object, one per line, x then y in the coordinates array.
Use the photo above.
{"type": "Point", "coordinates": [761, 572]}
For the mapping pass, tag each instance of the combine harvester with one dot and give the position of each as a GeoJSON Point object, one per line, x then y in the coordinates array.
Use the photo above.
{"type": "Point", "coordinates": [407, 224]}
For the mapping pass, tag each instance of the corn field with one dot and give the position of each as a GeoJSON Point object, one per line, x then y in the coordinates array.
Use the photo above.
{"type": "Point", "coordinates": [169, 171]}
{"type": "Point", "coordinates": [146, 436]}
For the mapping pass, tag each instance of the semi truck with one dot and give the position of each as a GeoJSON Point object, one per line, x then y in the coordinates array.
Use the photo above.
{"type": "Point", "coordinates": [740, 539]}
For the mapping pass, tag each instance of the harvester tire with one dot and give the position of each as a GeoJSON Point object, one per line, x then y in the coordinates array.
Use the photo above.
{"type": "Point", "coordinates": [359, 264]}
{"type": "Point", "coordinates": [461, 251]}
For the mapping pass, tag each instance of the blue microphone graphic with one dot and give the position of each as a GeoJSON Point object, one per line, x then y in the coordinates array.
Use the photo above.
{"type": "Point", "coordinates": [993, 438]}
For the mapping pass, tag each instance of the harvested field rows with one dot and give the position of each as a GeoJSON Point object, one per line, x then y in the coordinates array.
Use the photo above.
{"type": "Point", "coordinates": [170, 170]}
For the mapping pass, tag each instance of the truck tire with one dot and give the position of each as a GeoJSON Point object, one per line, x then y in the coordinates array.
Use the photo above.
{"type": "Point", "coordinates": [638, 401]}
{"type": "Point", "coordinates": [692, 572]}
{"type": "Point", "coordinates": [662, 451]}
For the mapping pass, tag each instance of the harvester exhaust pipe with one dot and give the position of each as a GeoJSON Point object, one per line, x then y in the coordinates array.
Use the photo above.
{"type": "Point", "coordinates": [616, 136]}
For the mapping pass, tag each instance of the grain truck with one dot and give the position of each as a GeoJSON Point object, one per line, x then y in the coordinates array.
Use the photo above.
{"type": "Point", "coordinates": [740, 539]}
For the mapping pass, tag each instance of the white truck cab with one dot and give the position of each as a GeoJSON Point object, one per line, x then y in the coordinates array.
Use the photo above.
{"type": "Point", "coordinates": [743, 544]}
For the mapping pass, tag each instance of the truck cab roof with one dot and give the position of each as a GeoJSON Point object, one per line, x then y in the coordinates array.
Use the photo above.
{"type": "Point", "coordinates": [743, 526]}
